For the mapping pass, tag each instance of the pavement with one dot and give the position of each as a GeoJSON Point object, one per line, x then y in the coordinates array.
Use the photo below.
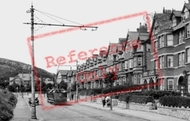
{"type": "Point", "coordinates": [22, 112]}
{"type": "Point", "coordinates": [140, 114]}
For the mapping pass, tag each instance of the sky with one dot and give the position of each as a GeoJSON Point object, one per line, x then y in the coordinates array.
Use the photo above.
{"type": "Point", "coordinates": [14, 33]}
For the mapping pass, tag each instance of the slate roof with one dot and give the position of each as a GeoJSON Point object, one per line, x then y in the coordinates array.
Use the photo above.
{"type": "Point", "coordinates": [187, 5]}
{"type": "Point", "coordinates": [122, 40]}
{"type": "Point", "coordinates": [176, 13]}
{"type": "Point", "coordinates": [162, 21]}
{"type": "Point", "coordinates": [133, 35]}
{"type": "Point", "coordinates": [112, 48]}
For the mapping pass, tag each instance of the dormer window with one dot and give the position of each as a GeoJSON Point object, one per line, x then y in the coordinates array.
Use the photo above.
{"type": "Point", "coordinates": [174, 22]}
{"type": "Point", "coordinates": [186, 13]}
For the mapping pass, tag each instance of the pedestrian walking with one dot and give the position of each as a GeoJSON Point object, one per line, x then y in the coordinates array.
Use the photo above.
{"type": "Point", "coordinates": [108, 101]}
{"type": "Point", "coordinates": [72, 96]}
{"type": "Point", "coordinates": [104, 101]}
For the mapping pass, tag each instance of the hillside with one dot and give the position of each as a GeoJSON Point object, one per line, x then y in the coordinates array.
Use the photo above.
{"type": "Point", "coordinates": [12, 68]}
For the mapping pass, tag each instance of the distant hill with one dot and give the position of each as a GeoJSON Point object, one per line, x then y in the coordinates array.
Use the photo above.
{"type": "Point", "coordinates": [10, 68]}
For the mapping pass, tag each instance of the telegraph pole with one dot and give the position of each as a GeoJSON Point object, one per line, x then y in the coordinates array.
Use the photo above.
{"type": "Point", "coordinates": [33, 111]}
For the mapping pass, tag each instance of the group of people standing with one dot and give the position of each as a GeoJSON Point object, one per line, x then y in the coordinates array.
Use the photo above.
{"type": "Point", "coordinates": [106, 100]}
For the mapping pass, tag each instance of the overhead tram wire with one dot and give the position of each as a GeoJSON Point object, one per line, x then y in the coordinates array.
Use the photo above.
{"type": "Point", "coordinates": [48, 15]}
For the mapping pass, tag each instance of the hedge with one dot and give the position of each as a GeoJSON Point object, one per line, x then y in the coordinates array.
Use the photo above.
{"type": "Point", "coordinates": [175, 101]}
{"type": "Point", "coordinates": [136, 98]}
{"type": "Point", "coordinates": [89, 92]}
{"type": "Point", "coordinates": [8, 103]}
{"type": "Point", "coordinates": [157, 94]}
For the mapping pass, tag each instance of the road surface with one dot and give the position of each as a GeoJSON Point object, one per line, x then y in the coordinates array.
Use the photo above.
{"type": "Point", "coordinates": [76, 112]}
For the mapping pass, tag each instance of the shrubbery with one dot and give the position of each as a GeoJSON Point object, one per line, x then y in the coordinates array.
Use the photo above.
{"type": "Point", "coordinates": [157, 94]}
{"type": "Point", "coordinates": [8, 102]}
{"type": "Point", "coordinates": [175, 101]}
{"type": "Point", "coordinates": [89, 92]}
{"type": "Point", "coordinates": [136, 98]}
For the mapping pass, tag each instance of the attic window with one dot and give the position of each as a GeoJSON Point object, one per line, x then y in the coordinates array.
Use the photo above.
{"type": "Point", "coordinates": [174, 22]}
{"type": "Point", "coordinates": [186, 12]}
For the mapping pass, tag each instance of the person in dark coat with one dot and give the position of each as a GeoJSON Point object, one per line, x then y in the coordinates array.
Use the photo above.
{"type": "Point", "coordinates": [104, 101]}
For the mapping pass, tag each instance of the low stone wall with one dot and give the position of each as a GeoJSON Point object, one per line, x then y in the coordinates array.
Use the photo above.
{"type": "Point", "coordinates": [183, 113]}
{"type": "Point", "coordinates": [134, 106]}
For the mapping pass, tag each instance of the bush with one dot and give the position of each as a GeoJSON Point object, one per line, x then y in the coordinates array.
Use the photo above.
{"type": "Point", "coordinates": [175, 101]}
{"type": "Point", "coordinates": [129, 97]}
{"type": "Point", "coordinates": [89, 92]}
{"type": "Point", "coordinates": [157, 94]}
{"type": "Point", "coordinates": [8, 102]}
{"type": "Point", "coordinates": [141, 99]}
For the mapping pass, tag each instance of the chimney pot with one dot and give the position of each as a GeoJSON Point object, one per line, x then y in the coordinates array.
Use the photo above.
{"type": "Point", "coordinates": [163, 9]}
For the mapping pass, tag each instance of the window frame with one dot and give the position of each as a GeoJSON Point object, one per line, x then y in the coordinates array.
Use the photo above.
{"type": "Point", "coordinates": [169, 40]}
{"type": "Point", "coordinates": [168, 82]}
{"type": "Point", "coordinates": [135, 62]}
{"type": "Point", "coordinates": [179, 59]}
{"type": "Point", "coordinates": [188, 31]}
{"type": "Point", "coordinates": [174, 22]}
{"type": "Point", "coordinates": [139, 61]}
{"type": "Point", "coordinates": [188, 55]}
{"type": "Point", "coordinates": [172, 61]}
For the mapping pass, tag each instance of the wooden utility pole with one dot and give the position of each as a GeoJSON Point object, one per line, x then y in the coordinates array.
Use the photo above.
{"type": "Point", "coordinates": [33, 110]}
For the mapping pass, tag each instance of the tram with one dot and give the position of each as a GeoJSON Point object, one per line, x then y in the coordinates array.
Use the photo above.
{"type": "Point", "coordinates": [56, 96]}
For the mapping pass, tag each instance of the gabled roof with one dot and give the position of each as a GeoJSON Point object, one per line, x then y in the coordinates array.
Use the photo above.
{"type": "Point", "coordinates": [163, 22]}
{"type": "Point", "coordinates": [122, 40]}
{"type": "Point", "coordinates": [133, 35]}
{"type": "Point", "coordinates": [63, 72]}
{"type": "Point", "coordinates": [175, 13]}
{"type": "Point", "coordinates": [112, 48]}
{"type": "Point", "coordinates": [186, 5]}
